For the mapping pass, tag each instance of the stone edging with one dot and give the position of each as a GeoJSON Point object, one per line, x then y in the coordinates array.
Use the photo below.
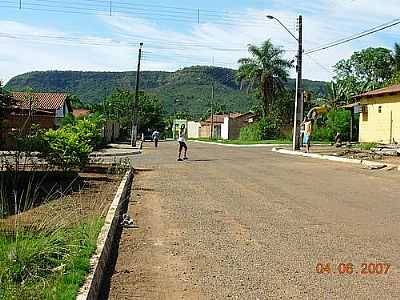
{"type": "Point", "coordinates": [367, 163]}
{"type": "Point", "coordinates": [248, 145]}
{"type": "Point", "coordinates": [99, 154]}
{"type": "Point", "coordinates": [240, 146]}
{"type": "Point", "coordinates": [99, 261]}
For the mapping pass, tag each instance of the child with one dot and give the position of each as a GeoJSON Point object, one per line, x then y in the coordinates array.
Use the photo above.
{"type": "Point", "coordinates": [182, 144]}
{"type": "Point", "coordinates": [307, 133]}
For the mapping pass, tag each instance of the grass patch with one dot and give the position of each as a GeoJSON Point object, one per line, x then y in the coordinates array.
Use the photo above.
{"type": "Point", "coordinates": [366, 146]}
{"type": "Point", "coordinates": [47, 265]}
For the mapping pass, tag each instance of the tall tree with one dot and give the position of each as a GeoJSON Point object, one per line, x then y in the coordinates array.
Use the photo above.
{"type": "Point", "coordinates": [365, 70]}
{"type": "Point", "coordinates": [6, 102]}
{"type": "Point", "coordinates": [396, 57]}
{"type": "Point", "coordinates": [264, 72]}
{"type": "Point", "coordinates": [119, 105]}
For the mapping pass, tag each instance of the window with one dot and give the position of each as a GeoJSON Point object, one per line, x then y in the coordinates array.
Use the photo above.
{"type": "Point", "coordinates": [379, 109]}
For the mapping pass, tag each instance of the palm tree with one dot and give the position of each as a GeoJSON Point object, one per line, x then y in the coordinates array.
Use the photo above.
{"type": "Point", "coordinates": [265, 71]}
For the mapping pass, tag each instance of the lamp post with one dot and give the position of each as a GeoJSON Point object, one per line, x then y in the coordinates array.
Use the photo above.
{"type": "Point", "coordinates": [136, 101]}
{"type": "Point", "coordinates": [299, 101]}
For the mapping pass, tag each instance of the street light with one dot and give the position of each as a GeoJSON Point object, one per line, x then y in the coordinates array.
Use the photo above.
{"type": "Point", "coordinates": [298, 106]}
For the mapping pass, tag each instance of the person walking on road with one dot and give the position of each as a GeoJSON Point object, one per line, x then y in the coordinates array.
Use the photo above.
{"type": "Point", "coordinates": [307, 133]}
{"type": "Point", "coordinates": [182, 144]}
{"type": "Point", "coordinates": [156, 137]}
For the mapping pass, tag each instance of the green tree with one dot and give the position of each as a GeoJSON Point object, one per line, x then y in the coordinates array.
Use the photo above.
{"type": "Point", "coordinates": [264, 72]}
{"type": "Point", "coordinates": [396, 57]}
{"type": "Point", "coordinates": [6, 102]}
{"type": "Point", "coordinates": [119, 106]}
{"type": "Point", "coordinates": [365, 70]}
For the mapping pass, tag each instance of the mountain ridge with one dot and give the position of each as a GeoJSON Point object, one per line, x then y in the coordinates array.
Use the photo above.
{"type": "Point", "coordinates": [191, 86]}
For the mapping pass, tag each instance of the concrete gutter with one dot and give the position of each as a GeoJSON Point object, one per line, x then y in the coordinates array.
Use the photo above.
{"type": "Point", "coordinates": [117, 153]}
{"type": "Point", "coordinates": [366, 163]}
{"type": "Point", "coordinates": [240, 146]}
{"type": "Point", "coordinates": [105, 242]}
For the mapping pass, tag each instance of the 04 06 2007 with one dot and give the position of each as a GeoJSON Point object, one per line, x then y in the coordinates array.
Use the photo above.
{"type": "Point", "coordinates": [350, 268]}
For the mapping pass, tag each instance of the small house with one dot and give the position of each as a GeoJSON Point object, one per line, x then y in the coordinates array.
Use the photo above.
{"type": "Point", "coordinates": [380, 115]}
{"type": "Point", "coordinates": [44, 109]}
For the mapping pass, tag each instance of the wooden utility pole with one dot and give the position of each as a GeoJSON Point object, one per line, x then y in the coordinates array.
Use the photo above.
{"type": "Point", "coordinates": [136, 102]}
{"type": "Point", "coordinates": [212, 110]}
{"type": "Point", "coordinates": [299, 102]}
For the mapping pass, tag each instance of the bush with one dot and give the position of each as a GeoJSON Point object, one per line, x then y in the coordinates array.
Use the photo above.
{"type": "Point", "coordinates": [67, 149]}
{"type": "Point", "coordinates": [338, 120]}
{"type": "Point", "coordinates": [322, 134]}
{"type": "Point", "coordinates": [261, 130]}
{"type": "Point", "coordinates": [70, 146]}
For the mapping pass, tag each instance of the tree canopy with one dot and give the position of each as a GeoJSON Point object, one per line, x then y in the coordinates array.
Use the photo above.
{"type": "Point", "coordinates": [264, 71]}
{"type": "Point", "coordinates": [119, 106]}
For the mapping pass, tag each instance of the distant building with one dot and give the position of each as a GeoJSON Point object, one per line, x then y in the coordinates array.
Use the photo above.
{"type": "Point", "coordinates": [226, 126]}
{"type": "Point", "coordinates": [380, 115]}
{"type": "Point", "coordinates": [80, 112]}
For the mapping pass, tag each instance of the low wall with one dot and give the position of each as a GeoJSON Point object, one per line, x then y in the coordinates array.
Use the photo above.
{"type": "Point", "coordinates": [105, 242]}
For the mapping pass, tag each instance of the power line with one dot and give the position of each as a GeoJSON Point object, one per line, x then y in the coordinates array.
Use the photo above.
{"type": "Point", "coordinates": [355, 36]}
{"type": "Point", "coordinates": [114, 7]}
{"type": "Point", "coordinates": [319, 64]}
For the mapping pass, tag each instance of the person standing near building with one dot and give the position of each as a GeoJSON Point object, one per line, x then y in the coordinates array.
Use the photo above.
{"type": "Point", "coordinates": [182, 143]}
{"type": "Point", "coordinates": [307, 133]}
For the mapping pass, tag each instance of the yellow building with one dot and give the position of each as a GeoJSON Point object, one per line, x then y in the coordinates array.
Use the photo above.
{"type": "Point", "coordinates": [380, 115]}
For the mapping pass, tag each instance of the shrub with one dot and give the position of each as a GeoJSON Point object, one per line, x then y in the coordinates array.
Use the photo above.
{"type": "Point", "coordinates": [70, 146]}
{"type": "Point", "coordinates": [67, 149]}
{"type": "Point", "coordinates": [261, 130]}
{"type": "Point", "coordinates": [338, 120]}
{"type": "Point", "coordinates": [322, 134]}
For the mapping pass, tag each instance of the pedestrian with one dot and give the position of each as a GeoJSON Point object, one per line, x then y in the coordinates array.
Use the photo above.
{"type": "Point", "coordinates": [302, 131]}
{"type": "Point", "coordinates": [307, 133]}
{"type": "Point", "coordinates": [155, 136]}
{"type": "Point", "coordinates": [338, 140]}
{"type": "Point", "coordinates": [182, 144]}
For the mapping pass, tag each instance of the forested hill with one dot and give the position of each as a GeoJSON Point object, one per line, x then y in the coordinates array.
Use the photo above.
{"type": "Point", "coordinates": [191, 86]}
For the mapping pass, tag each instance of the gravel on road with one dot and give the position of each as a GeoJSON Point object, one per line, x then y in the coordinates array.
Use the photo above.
{"type": "Point", "coordinates": [247, 223]}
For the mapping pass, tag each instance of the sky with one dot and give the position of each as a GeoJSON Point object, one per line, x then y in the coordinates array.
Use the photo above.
{"type": "Point", "coordinates": [38, 35]}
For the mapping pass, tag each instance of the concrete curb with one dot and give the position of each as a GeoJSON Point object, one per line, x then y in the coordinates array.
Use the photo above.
{"type": "Point", "coordinates": [99, 154]}
{"type": "Point", "coordinates": [99, 261]}
{"type": "Point", "coordinates": [247, 146]}
{"type": "Point", "coordinates": [366, 163]}
{"type": "Point", "coordinates": [240, 146]}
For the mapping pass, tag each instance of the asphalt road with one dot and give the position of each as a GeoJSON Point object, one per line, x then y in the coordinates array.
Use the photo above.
{"type": "Point", "coordinates": [247, 223]}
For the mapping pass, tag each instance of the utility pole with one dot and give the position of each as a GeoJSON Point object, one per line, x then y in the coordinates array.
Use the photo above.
{"type": "Point", "coordinates": [136, 102]}
{"type": "Point", "coordinates": [299, 102]}
{"type": "Point", "coordinates": [212, 110]}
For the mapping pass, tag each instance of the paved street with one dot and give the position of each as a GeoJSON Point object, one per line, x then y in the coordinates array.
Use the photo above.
{"type": "Point", "coordinates": [247, 223]}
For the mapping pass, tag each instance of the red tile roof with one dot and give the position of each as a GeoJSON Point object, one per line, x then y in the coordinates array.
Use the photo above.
{"type": "Point", "coordinates": [393, 89]}
{"type": "Point", "coordinates": [220, 118]}
{"type": "Point", "coordinates": [80, 112]}
{"type": "Point", "coordinates": [43, 101]}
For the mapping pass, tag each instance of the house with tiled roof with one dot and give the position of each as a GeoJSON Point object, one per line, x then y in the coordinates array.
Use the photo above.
{"type": "Point", "coordinates": [54, 105]}
{"type": "Point", "coordinates": [44, 109]}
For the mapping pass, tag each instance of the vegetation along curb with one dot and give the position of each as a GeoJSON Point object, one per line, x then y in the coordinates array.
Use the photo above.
{"type": "Point", "coordinates": [366, 163]}
{"type": "Point", "coordinates": [105, 241]}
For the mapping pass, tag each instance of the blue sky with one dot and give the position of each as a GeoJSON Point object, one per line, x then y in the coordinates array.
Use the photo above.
{"type": "Point", "coordinates": [85, 37]}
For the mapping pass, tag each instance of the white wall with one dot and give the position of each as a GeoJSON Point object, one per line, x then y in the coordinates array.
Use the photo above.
{"type": "Point", "coordinates": [193, 129]}
{"type": "Point", "coordinates": [225, 129]}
